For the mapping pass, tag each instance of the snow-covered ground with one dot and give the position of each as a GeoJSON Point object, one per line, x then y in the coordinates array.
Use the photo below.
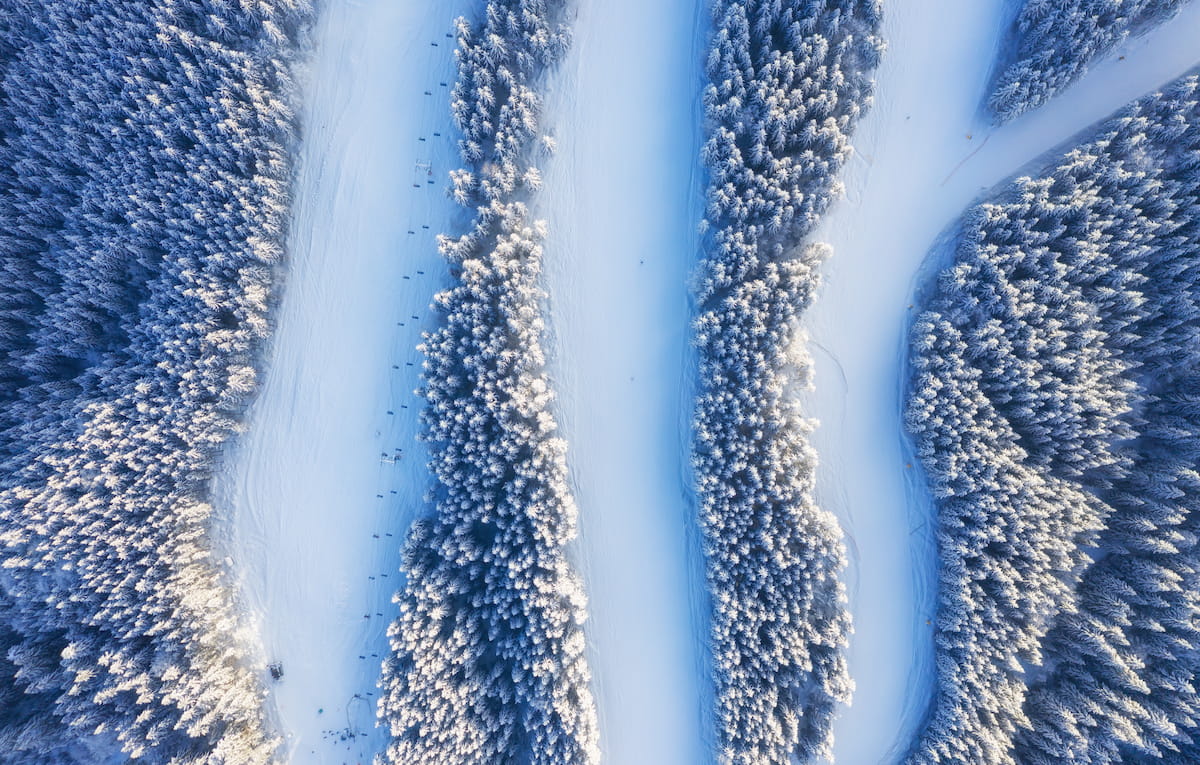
{"type": "Point", "coordinates": [329, 467]}
{"type": "Point", "coordinates": [621, 197]}
{"type": "Point", "coordinates": [924, 154]}
{"type": "Point", "coordinates": [316, 494]}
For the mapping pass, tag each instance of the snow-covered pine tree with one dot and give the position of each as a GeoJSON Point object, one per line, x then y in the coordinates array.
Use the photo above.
{"type": "Point", "coordinates": [487, 662]}
{"type": "Point", "coordinates": [1053, 405]}
{"type": "Point", "coordinates": [1056, 41]}
{"type": "Point", "coordinates": [145, 159]}
{"type": "Point", "coordinates": [787, 83]}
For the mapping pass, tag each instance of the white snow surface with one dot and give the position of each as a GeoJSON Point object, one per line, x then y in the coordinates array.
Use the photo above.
{"type": "Point", "coordinates": [622, 199]}
{"type": "Point", "coordinates": [924, 154]}
{"type": "Point", "coordinates": [329, 458]}
{"type": "Point", "coordinates": [315, 486]}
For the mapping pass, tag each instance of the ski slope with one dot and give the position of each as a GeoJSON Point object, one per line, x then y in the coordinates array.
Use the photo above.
{"type": "Point", "coordinates": [924, 153]}
{"type": "Point", "coordinates": [322, 485]}
{"type": "Point", "coordinates": [328, 466]}
{"type": "Point", "coordinates": [622, 199]}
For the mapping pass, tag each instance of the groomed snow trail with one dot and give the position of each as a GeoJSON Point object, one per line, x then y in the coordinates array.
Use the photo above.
{"type": "Point", "coordinates": [924, 153]}
{"type": "Point", "coordinates": [621, 196]}
{"type": "Point", "coordinates": [317, 494]}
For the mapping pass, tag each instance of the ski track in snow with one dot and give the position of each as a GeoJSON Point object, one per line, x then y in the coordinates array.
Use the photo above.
{"type": "Point", "coordinates": [305, 490]}
{"type": "Point", "coordinates": [307, 493]}
{"type": "Point", "coordinates": [924, 154]}
{"type": "Point", "coordinates": [623, 202]}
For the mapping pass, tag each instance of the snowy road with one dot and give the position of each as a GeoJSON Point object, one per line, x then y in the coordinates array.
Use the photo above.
{"type": "Point", "coordinates": [924, 154]}
{"type": "Point", "coordinates": [316, 493]}
{"type": "Point", "coordinates": [622, 201]}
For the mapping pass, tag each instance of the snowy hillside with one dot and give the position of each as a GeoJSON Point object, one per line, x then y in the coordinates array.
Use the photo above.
{"type": "Point", "coordinates": [281, 278]}
{"type": "Point", "coordinates": [329, 471]}
{"type": "Point", "coordinates": [924, 153]}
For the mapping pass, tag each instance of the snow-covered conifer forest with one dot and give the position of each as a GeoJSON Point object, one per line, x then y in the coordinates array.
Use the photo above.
{"type": "Point", "coordinates": [488, 662]}
{"type": "Point", "coordinates": [786, 86]}
{"type": "Point", "coordinates": [147, 159]}
{"type": "Point", "coordinates": [490, 382]}
{"type": "Point", "coordinates": [1057, 39]}
{"type": "Point", "coordinates": [1054, 372]}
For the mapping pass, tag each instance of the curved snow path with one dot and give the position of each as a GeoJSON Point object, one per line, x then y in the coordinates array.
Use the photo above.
{"type": "Point", "coordinates": [924, 154]}
{"type": "Point", "coordinates": [622, 199]}
{"type": "Point", "coordinates": [310, 496]}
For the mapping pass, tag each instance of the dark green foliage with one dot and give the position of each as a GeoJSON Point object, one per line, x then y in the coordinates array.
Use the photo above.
{"type": "Point", "coordinates": [1054, 406]}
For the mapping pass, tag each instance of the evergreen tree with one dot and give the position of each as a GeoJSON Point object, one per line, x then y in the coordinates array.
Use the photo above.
{"type": "Point", "coordinates": [787, 82]}
{"type": "Point", "coordinates": [1053, 403]}
{"type": "Point", "coordinates": [487, 662]}
{"type": "Point", "coordinates": [1056, 41]}
{"type": "Point", "coordinates": [145, 157]}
